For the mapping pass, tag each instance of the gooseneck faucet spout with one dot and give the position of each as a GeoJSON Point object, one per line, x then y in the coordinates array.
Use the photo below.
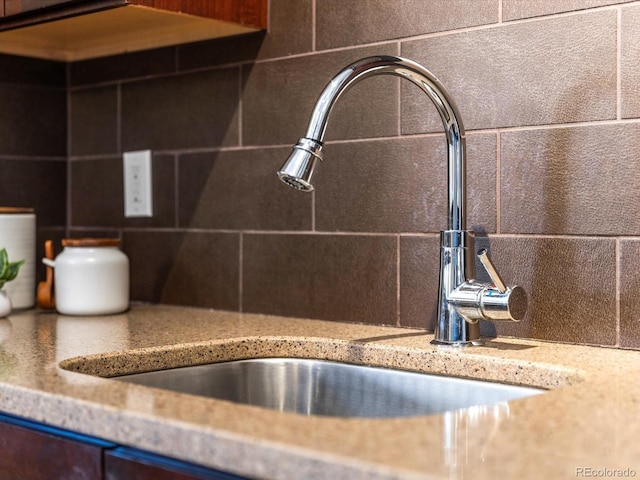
{"type": "Point", "coordinates": [463, 301]}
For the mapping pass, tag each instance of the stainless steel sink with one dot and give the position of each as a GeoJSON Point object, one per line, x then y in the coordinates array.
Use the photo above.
{"type": "Point", "coordinates": [319, 387]}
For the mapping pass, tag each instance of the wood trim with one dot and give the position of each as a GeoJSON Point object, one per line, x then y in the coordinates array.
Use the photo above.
{"type": "Point", "coordinates": [250, 13]}
{"type": "Point", "coordinates": [120, 26]}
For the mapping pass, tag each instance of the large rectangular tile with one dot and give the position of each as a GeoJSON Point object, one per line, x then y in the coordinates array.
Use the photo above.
{"type": "Point", "coordinates": [40, 184]}
{"type": "Point", "coordinates": [574, 180]}
{"type": "Point", "coordinates": [530, 73]}
{"type": "Point", "coordinates": [183, 111]}
{"type": "Point", "coordinates": [570, 284]}
{"type": "Point", "coordinates": [119, 67]}
{"type": "Point", "coordinates": [419, 276]}
{"type": "Point", "coordinates": [93, 121]}
{"type": "Point", "coordinates": [34, 120]}
{"type": "Point", "coordinates": [630, 293]}
{"type": "Point", "coordinates": [400, 185]}
{"type": "Point", "coordinates": [101, 204]}
{"type": "Point", "coordinates": [333, 277]}
{"type": "Point", "coordinates": [341, 24]}
{"type": "Point", "coordinates": [240, 190]}
{"type": "Point", "coordinates": [279, 96]}
{"type": "Point", "coordinates": [629, 61]}
{"type": "Point", "coordinates": [517, 9]}
{"type": "Point", "coordinates": [184, 268]}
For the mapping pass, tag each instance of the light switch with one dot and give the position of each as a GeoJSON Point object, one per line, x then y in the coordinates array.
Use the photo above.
{"type": "Point", "coordinates": [138, 188]}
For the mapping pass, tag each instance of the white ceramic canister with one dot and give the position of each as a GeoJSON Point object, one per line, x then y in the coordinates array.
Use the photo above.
{"type": "Point", "coordinates": [91, 277]}
{"type": "Point", "coordinates": [18, 236]}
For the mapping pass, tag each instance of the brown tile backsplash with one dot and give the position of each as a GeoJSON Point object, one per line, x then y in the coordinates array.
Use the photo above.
{"type": "Point", "coordinates": [629, 61]}
{"type": "Point", "coordinates": [341, 23]}
{"type": "Point", "coordinates": [278, 98]}
{"type": "Point", "coordinates": [400, 185]}
{"type": "Point", "coordinates": [548, 96]}
{"type": "Point", "coordinates": [119, 67]}
{"type": "Point", "coordinates": [571, 180]}
{"type": "Point", "coordinates": [531, 73]}
{"type": "Point", "coordinates": [183, 111]}
{"type": "Point", "coordinates": [517, 9]}
{"type": "Point", "coordinates": [629, 297]}
{"type": "Point", "coordinates": [184, 268]}
{"type": "Point", "coordinates": [93, 121]}
{"type": "Point", "coordinates": [102, 204]}
{"type": "Point", "coordinates": [419, 268]}
{"type": "Point", "coordinates": [570, 284]}
{"type": "Point", "coordinates": [333, 277]}
{"type": "Point", "coordinates": [33, 120]}
{"type": "Point", "coordinates": [228, 189]}
{"type": "Point", "coordinates": [37, 183]}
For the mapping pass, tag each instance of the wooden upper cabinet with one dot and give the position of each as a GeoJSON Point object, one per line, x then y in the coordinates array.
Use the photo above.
{"type": "Point", "coordinates": [71, 30]}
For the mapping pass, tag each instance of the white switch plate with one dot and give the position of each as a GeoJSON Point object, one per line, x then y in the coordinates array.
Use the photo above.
{"type": "Point", "coordinates": [138, 190]}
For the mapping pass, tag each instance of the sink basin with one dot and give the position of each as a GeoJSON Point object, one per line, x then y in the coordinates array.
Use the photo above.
{"type": "Point", "coordinates": [319, 387]}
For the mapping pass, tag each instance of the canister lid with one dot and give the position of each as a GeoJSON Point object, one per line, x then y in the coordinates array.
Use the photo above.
{"type": "Point", "coordinates": [91, 242]}
{"type": "Point", "coordinates": [16, 210]}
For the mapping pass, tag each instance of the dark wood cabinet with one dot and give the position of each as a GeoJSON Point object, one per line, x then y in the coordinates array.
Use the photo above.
{"type": "Point", "coordinates": [245, 12]}
{"type": "Point", "coordinates": [43, 453]}
{"type": "Point", "coordinates": [71, 30]}
{"type": "Point", "coordinates": [126, 463]}
{"type": "Point", "coordinates": [33, 451]}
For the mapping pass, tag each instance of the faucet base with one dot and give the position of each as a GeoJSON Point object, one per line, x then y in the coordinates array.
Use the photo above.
{"type": "Point", "coordinates": [461, 344]}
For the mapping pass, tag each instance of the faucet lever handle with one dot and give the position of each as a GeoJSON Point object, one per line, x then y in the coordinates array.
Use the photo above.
{"type": "Point", "coordinates": [483, 256]}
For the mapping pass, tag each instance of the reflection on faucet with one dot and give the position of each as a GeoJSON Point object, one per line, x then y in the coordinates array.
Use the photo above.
{"type": "Point", "coordinates": [462, 301]}
{"type": "Point", "coordinates": [464, 442]}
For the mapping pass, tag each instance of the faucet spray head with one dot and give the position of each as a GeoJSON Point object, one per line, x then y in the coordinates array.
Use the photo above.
{"type": "Point", "coordinates": [298, 169]}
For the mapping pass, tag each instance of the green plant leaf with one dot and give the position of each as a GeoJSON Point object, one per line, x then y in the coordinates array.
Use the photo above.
{"type": "Point", "coordinates": [4, 262]}
{"type": "Point", "coordinates": [12, 270]}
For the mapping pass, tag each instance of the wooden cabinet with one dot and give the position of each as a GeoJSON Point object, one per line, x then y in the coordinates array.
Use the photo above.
{"type": "Point", "coordinates": [43, 454]}
{"type": "Point", "coordinates": [71, 30]}
{"type": "Point", "coordinates": [32, 451]}
{"type": "Point", "coordinates": [126, 463]}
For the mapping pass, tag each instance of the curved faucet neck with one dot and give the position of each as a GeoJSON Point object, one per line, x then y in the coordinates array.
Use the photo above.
{"type": "Point", "coordinates": [430, 85]}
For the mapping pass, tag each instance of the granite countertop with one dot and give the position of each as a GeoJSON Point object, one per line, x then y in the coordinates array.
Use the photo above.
{"type": "Point", "coordinates": [586, 424]}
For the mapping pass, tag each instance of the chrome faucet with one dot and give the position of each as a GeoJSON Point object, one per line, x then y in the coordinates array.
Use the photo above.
{"type": "Point", "coordinates": [462, 300]}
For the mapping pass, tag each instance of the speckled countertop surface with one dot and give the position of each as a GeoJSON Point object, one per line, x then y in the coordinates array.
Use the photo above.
{"type": "Point", "coordinates": [590, 418]}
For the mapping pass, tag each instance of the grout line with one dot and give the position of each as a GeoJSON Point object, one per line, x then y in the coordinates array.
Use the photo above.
{"type": "Point", "coordinates": [240, 108]}
{"type": "Point", "coordinates": [313, 211]}
{"type": "Point", "coordinates": [500, 20]}
{"type": "Point", "coordinates": [176, 190]}
{"type": "Point", "coordinates": [399, 90]}
{"type": "Point", "coordinates": [498, 184]}
{"type": "Point", "coordinates": [68, 210]}
{"type": "Point", "coordinates": [240, 268]}
{"type": "Point", "coordinates": [313, 26]}
{"type": "Point", "coordinates": [186, 151]}
{"type": "Point", "coordinates": [398, 312]}
{"type": "Point", "coordinates": [119, 118]}
{"type": "Point", "coordinates": [617, 290]}
{"type": "Point", "coordinates": [353, 233]}
{"type": "Point", "coordinates": [619, 66]}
